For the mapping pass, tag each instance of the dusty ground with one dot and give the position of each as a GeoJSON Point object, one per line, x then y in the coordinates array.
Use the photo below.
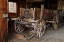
{"type": "Point", "coordinates": [50, 35]}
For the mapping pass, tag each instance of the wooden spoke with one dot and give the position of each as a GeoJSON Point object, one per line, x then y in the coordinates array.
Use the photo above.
{"type": "Point", "coordinates": [18, 27]}
{"type": "Point", "coordinates": [41, 29]}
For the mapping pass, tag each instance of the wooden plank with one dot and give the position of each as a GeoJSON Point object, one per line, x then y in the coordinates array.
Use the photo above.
{"type": "Point", "coordinates": [45, 14]}
{"type": "Point", "coordinates": [37, 13]}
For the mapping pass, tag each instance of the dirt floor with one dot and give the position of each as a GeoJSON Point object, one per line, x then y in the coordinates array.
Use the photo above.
{"type": "Point", "coordinates": [50, 35]}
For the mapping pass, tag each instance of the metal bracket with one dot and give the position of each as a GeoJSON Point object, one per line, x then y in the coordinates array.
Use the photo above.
{"type": "Point", "coordinates": [5, 15]}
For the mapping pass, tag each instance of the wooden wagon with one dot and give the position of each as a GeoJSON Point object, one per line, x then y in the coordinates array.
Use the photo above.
{"type": "Point", "coordinates": [35, 18]}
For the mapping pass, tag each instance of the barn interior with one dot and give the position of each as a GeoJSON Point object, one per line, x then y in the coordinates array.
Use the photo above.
{"type": "Point", "coordinates": [45, 18]}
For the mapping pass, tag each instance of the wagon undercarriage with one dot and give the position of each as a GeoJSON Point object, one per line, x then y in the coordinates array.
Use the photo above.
{"type": "Point", "coordinates": [37, 28]}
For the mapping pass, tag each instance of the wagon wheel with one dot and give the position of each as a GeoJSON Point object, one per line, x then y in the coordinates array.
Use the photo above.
{"type": "Point", "coordinates": [56, 20]}
{"type": "Point", "coordinates": [41, 29]}
{"type": "Point", "coordinates": [18, 27]}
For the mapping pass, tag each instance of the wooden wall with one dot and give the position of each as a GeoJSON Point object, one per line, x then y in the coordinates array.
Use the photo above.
{"type": "Point", "coordinates": [3, 21]}
{"type": "Point", "coordinates": [20, 3]}
{"type": "Point", "coordinates": [53, 6]}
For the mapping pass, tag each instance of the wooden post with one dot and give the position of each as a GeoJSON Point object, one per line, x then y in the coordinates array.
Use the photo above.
{"type": "Point", "coordinates": [3, 21]}
{"type": "Point", "coordinates": [21, 12]}
{"type": "Point", "coordinates": [1, 25]}
{"type": "Point", "coordinates": [42, 8]}
{"type": "Point", "coordinates": [31, 11]}
{"type": "Point", "coordinates": [34, 14]}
